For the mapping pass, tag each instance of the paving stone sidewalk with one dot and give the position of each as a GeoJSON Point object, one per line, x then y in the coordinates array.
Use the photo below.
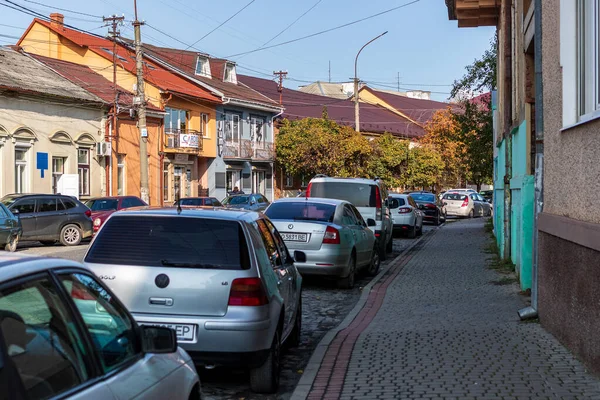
{"type": "Point", "coordinates": [445, 329]}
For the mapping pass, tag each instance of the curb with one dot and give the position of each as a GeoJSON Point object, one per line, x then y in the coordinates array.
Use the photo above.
{"type": "Point", "coordinates": [305, 384]}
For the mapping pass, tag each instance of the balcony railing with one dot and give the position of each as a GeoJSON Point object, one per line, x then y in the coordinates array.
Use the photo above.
{"type": "Point", "coordinates": [248, 150]}
{"type": "Point", "coordinates": [183, 139]}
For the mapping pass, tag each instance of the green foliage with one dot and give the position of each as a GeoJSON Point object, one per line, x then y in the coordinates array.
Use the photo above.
{"type": "Point", "coordinates": [425, 167]}
{"type": "Point", "coordinates": [481, 75]}
{"type": "Point", "coordinates": [389, 157]}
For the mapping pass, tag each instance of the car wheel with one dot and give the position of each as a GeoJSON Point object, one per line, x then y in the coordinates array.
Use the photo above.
{"type": "Point", "coordinates": [48, 242]}
{"type": "Point", "coordinates": [12, 244]}
{"type": "Point", "coordinates": [382, 252]}
{"type": "Point", "coordinates": [294, 339]}
{"type": "Point", "coordinates": [375, 263]}
{"type": "Point", "coordinates": [348, 282]}
{"type": "Point", "coordinates": [412, 232]}
{"type": "Point", "coordinates": [390, 245]}
{"type": "Point", "coordinates": [471, 213]}
{"type": "Point", "coordinates": [265, 379]}
{"type": "Point", "coordinates": [70, 235]}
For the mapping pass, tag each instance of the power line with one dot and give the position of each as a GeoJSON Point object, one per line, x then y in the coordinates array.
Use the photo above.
{"type": "Point", "coordinates": [326, 30]}
{"type": "Point", "coordinates": [12, 26]}
{"type": "Point", "coordinates": [292, 24]}
{"type": "Point", "coordinates": [63, 9]}
{"type": "Point", "coordinates": [221, 24]}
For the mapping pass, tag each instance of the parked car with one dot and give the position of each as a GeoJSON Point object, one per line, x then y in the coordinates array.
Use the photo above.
{"type": "Point", "coordinates": [482, 208]}
{"type": "Point", "coordinates": [222, 279]}
{"type": "Point", "coordinates": [433, 208]}
{"type": "Point", "coordinates": [406, 216]}
{"type": "Point", "coordinates": [332, 234]}
{"type": "Point", "coordinates": [49, 218]}
{"type": "Point", "coordinates": [103, 207]}
{"type": "Point", "coordinates": [463, 190]}
{"type": "Point", "coordinates": [459, 204]}
{"type": "Point", "coordinates": [252, 202]}
{"type": "Point", "coordinates": [488, 195]}
{"type": "Point", "coordinates": [65, 334]}
{"type": "Point", "coordinates": [10, 229]}
{"type": "Point", "coordinates": [369, 196]}
{"type": "Point", "coordinates": [200, 201]}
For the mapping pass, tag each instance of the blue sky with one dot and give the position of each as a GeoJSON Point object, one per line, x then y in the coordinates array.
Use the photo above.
{"type": "Point", "coordinates": [422, 44]}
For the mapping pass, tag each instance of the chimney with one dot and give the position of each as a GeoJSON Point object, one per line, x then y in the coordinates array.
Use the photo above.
{"type": "Point", "coordinates": [57, 19]}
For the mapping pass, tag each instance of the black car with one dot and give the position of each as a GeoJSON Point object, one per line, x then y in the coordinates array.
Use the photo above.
{"type": "Point", "coordinates": [487, 195]}
{"type": "Point", "coordinates": [200, 201]}
{"type": "Point", "coordinates": [49, 218]}
{"type": "Point", "coordinates": [431, 206]}
{"type": "Point", "coordinates": [10, 229]}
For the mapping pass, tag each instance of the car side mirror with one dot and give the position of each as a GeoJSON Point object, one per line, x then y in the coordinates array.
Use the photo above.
{"type": "Point", "coordinates": [445, 203]}
{"type": "Point", "coordinates": [158, 340]}
{"type": "Point", "coordinates": [299, 256]}
{"type": "Point", "coordinates": [371, 222]}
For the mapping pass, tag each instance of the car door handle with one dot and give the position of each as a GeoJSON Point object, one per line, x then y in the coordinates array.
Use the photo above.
{"type": "Point", "coordinates": [161, 301]}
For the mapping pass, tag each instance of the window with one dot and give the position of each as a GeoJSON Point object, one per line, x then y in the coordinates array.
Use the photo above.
{"type": "Point", "coordinates": [269, 242]}
{"type": "Point", "coordinates": [47, 204]}
{"type": "Point", "coordinates": [25, 206]}
{"type": "Point", "coordinates": [232, 128]}
{"type": "Point", "coordinates": [204, 119]}
{"type": "Point", "coordinates": [396, 202]}
{"type": "Point", "coordinates": [232, 180]}
{"type": "Point", "coordinates": [301, 211]}
{"type": "Point", "coordinates": [102, 204]}
{"type": "Point", "coordinates": [165, 181]}
{"type": "Point", "coordinates": [289, 180]}
{"type": "Point", "coordinates": [83, 169]}
{"type": "Point", "coordinates": [258, 131]}
{"type": "Point", "coordinates": [111, 330]}
{"type": "Point", "coordinates": [359, 217]}
{"type": "Point", "coordinates": [303, 181]}
{"type": "Point", "coordinates": [58, 169]}
{"type": "Point", "coordinates": [175, 119]}
{"type": "Point", "coordinates": [279, 240]}
{"type": "Point", "coordinates": [132, 202]}
{"type": "Point", "coordinates": [41, 339]}
{"type": "Point", "coordinates": [68, 203]}
{"type": "Point", "coordinates": [359, 194]}
{"type": "Point", "coordinates": [21, 172]}
{"type": "Point", "coordinates": [121, 175]}
{"type": "Point", "coordinates": [588, 56]}
{"type": "Point", "coordinates": [202, 66]}
{"type": "Point", "coordinates": [230, 75]}
{"type": "Point", "coordinates": [171, 242]}
{"type": "Point", "coordinates": [349, 218]}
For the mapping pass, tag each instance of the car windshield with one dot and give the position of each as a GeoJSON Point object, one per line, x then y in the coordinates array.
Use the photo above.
{"type": "Point", "coordinates": [359, 194]}
{"type": "Point", "coordinates": [236, 200]}
{"type": "Point", "coordinates": [423, 197]}
{"type": "Point", "coordinates": [102, 204]}
{"type": "Point", "coordinates": [191, 202]}
{"type": "Point", "coordinates": [8, 200]}
{"type": "Point", "coordinates": [302, 210]}
{"type": "Point", "coordinates": [454, 196]}
{"type": "Point", "coordinates": [170, 241]}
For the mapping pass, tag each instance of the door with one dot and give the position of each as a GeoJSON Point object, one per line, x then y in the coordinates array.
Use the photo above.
{"type": "Point", "coordinates": [49, 218]}
{"type": "Point", "coordinates": [477, 208]}
{"type": "Point", "coordinates": [350, 221]}
{"type": "Point", "coordinates": [5, 227]}
{"type": "Point", "coordinates": [177, 181]}
{"type": "Point", "coordinates": [368, 239]}
{"type": "Point", "coordinates": [26, 210]}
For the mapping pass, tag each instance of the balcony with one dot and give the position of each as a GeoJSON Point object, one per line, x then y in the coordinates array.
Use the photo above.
{"type": "Point", "coordinates": [248, 150]}
{"type": "Point", "coordinates": [183, 141]}
{"type": "Point", "coordinates": [473, 13]}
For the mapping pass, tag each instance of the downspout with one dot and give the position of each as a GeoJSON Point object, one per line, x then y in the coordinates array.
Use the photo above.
{"type": "Point", "coordinates": [108, 165]}
{"type": "Point", "coordinates": [273, 163]}
{"type": "Point", "coordinates": [161, 152]}
{"type": "Point", "coordinates": [507, 124]}
{"type": "Point", "coordinates": [532, 311]}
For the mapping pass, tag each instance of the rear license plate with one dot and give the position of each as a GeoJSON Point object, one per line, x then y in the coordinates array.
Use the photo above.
{"type": "Point", "coordinates": [295, 237]}
{"type": "Point", "coordinates": [184, 332]}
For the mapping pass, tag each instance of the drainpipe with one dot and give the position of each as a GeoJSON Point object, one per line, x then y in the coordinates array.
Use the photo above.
{"type": "Point", "coordinates": [273, 164]}
{"type": "Point", "coordinates": [507, 124]}
{"type": "Point", "coordinates": [532, 311]}
{"type": "Point", "coordinates": [107, 163]}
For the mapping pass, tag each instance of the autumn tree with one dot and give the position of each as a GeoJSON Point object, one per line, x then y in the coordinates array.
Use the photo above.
{"type": "Point", "coordinates": [424, 168]}
{"type": "Point", "coordinates": [388, 159]}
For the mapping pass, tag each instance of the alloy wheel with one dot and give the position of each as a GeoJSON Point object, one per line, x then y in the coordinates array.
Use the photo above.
{"type": "Point", "coordinates": [71, 235]}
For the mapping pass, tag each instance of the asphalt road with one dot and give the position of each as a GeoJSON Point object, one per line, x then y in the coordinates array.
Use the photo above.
{"type": "Point", "coordinates": [324, 307]}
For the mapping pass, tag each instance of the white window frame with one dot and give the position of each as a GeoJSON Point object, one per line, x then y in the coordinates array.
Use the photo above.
{"type": "Point", "coordinates": [236, 134]}
{"type": "Point", "coordinates": [122, 178]}
{"type": "Point", "coordinates": [289, 180]}
{"type": "Point", "coordinates": [57, 174]}
{"type": "Point", "coordinates": [204, 123]}
{"type": "Point", "coordinates": [166, 181]}
{"type": "Point", "coordinates": [229, 73]}
{"type": "Point", "coordinates": [180, 115]}
{"type": "Point", "coordinates": [202, 67]}
{"type": "Point", "coordinates": [254, 137]}
{"type": "Point", "coordinates": [22, 186]}
{"type": "Point", "coordinates": [83, 169]}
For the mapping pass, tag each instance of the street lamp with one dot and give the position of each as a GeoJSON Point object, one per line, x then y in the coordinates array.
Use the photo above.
{"type": "Point", "coordinates": [356, 111]}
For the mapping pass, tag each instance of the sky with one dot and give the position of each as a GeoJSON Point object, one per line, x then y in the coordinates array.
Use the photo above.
{"type": "Point", "coordinates": [422, 46]}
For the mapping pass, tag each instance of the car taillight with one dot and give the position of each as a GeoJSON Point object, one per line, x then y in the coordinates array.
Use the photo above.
{"type": "Point", "coordinates": [404, 210]}
{"type": "Point", "coordinates": [430, 206]}
{"type": "Point", "coordinates": [247, 292]}
{"type": "Point", "coordinates": [332, 236]}
{"type": "Point", "coordinates": [378, 213]}
{"type": "Point", "coordinates": [78, 293]}
{"type": "Point", "coordinates": [308, 189]}
{"type": "Point", "coordinates": [88, 213]}
{"type": "Point", "coordinates": [466, 202]}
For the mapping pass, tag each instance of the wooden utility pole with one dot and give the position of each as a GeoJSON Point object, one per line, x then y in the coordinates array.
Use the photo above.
{"type": "Point", "coordinates": [113, 22]}
{"type": "Point", "coordinates": [282, 74]}
{"type": "Point", "coordinates": [141, 98]}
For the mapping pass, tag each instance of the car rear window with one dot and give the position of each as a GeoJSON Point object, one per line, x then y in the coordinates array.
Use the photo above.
{"type": "Point", "coordinates": [191, 202]}
{"type": "Point", "coordinates": [301, 210]}
{"type": "Point", "coordinates": [238, 200]}
{"type": "Point", "coordinates": [102, 204]}
{"type": "Point", "coordinates": [454, 196]}
{"type": "Point", "coordinates": [169, 241]}
{"type": "Point", "coordinates": [359, 194]}
{"type": "Point", "coordinates": [396, 202]}
{"type": "Point", "coordinates": [423, 197]}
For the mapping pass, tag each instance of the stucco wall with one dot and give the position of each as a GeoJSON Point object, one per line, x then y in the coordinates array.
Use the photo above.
{"type": "Point", "coordinates": [32, 122]}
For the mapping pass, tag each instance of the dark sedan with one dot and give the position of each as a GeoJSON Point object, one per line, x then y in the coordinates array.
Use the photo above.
{"type": "Point", "coordinates": [433, 209]}
{"type": "Point", "coordinates": [253, 202]}
{"type": "Point", "coordinates": [199, 202]}
{"type": "Point", "coordinates": [103, 207]}
{"type": "Point", "coordinates": [10, 229]}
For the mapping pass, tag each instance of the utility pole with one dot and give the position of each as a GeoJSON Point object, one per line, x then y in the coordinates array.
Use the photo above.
{"type": "Point", "coordinates": [113, 22]}
{"type": "Point", "coordinates": [356, 109]}
{"type": "Point", "coordinates": [139, 67]}
{"type": "Point", "coordinates": [282, 74]}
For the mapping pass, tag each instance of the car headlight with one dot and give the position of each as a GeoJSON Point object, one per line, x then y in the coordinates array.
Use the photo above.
{"type": "Point", "coordinates": [97, 222]}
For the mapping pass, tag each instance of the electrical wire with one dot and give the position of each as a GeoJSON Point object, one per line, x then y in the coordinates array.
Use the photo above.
{"type": "Point", "coordinates": [63, 9]}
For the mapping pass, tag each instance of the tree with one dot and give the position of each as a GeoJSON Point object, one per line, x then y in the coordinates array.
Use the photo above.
{"type": "Point", "coordinates": [425, 167]}
{"type": "Point", "coordinates": [481, 75]}
{"type": "Point", "coordinates": [388, 158]}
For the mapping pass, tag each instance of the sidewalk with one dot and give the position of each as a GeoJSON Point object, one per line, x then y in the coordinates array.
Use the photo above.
{"type": "Point", "coordinates": [437, 325]}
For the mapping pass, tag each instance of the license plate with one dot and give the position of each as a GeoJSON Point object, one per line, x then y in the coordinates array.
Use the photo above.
{"type": "Point", "coordinates": [184, 332]}
{"type": "Point", "coordinates": [295, 237]}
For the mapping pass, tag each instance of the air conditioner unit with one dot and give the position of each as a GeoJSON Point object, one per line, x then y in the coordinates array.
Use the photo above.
{"type": "Point", "coordinates": [103, 149]}
{"type": "Point", "coordinates": [171, 142]}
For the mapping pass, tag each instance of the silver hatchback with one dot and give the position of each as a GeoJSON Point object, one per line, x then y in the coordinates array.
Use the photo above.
{"type": "Point", "coordinates": [222, 279]}
{"type": "Point", "coordinates": [331, 233]}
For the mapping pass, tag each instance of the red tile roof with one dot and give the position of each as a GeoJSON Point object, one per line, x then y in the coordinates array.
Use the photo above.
{"type": "Point", "coordinates": [89, 80]}
{"type": "Point", "coordinates": [154, 73]}
{"type": "Point", "coordinates": [298, 105]}
{"type": "Point", "coordinates": [420, 111]}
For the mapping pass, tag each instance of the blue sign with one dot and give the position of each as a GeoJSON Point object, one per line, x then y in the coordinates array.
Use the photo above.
{"type": "Point", "coordinates": [42, 162]}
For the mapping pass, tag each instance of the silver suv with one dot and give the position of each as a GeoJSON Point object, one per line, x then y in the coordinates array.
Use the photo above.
{"type": "Point", "coordinates": [369, 196]}
{"type": "Point", "coordinates": [222, 279]}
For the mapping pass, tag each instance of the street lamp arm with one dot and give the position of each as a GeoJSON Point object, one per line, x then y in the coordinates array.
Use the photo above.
{"type": "Point", "coordinates": [361, 49]}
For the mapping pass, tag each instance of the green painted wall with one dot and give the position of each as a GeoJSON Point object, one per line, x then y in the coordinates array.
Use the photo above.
{"type": "Point", "coordinates": [499, 196]}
